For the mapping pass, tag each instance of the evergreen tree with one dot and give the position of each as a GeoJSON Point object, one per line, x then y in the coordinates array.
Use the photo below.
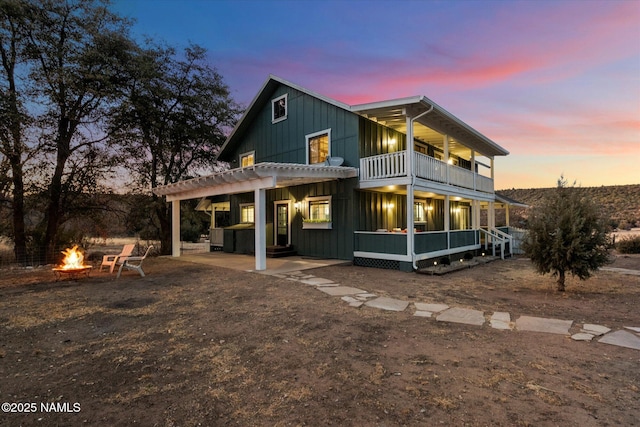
{"type": "Point", "coordinates": [567, 234]}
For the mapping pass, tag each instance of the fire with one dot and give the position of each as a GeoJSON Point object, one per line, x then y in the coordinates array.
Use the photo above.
{"type": "Point", "coordinates": [73, 259]}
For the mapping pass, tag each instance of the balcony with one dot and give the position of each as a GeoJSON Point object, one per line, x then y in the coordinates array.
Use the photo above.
{"type": "Point", "coordinates": [394, 165]}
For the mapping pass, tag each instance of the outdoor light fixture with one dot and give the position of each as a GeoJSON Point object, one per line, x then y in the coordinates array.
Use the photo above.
{"type": "Point", "coordinates": [297, 206]}
{"type": "Point", "coordinates": [392, 142]}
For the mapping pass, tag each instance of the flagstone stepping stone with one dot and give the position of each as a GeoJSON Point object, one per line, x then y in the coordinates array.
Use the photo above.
{"type": "Point", "coordinates": [352, 301]}
{"type": "Point", "coordinates": [423, 313]}
{"type": "Point", "coordinates": [595, 329]}
{"type": "Point", "coordinates": [633, 328]}
{"type": "Point", "coordinates": [582, 336]}
{"type": "Point", "coordinates": [338, 291]}
{"type": "Point", "coordinates": [501, 320]}
{"type": "Point", "coordinates": [365, 296]}
{"type": "Point", "coordinates": [622, 339]}
{"type": "Point", "coordinates": [462, 315]}
{"type": "Point", "coordinates": [386, 303]}
{"type": "Point", "coordinates": [316, 281]}
{"type": "Point", "coordinates": [433, 308]}
{"type": "Point", "coordinates": [540, 324]}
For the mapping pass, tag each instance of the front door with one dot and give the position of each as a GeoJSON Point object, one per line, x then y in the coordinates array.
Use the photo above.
{"type": "Point", "coordinates": [282, 223]}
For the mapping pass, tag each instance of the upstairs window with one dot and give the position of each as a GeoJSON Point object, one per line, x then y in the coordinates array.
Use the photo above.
{"type": "Point", "coordinates": [247, 159]}
{"type": "Point", "coordinates": [279, 109]}
{"type": "Point", "coordinates": [318, 147]}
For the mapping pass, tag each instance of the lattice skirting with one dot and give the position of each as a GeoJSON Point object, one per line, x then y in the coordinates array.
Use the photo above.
{"type": "Point", "coordinates": [377, 263]}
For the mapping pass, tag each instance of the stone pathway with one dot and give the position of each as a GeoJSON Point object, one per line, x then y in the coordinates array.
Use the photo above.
{"type": "Point", "coordinates": [629, 337]}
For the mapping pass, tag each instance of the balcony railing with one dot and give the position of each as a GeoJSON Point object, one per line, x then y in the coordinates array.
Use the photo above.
{"type": "Point", "coordinates": [393, 165]}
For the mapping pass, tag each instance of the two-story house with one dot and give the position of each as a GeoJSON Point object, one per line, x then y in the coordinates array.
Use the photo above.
{"type": "Point", "coordinates": [393, 184]}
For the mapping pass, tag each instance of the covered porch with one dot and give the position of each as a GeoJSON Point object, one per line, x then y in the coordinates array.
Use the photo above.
{"type": "Point", "coordinates": [400, 231]}
{"type": "Point", "coordinates": [257, 179]}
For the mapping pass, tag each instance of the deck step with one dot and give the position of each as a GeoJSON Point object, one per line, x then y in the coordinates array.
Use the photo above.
{"type": "Point", "coordinates": [280, 251]}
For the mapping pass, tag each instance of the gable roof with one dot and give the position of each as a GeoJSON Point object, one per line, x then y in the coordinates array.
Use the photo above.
{"type": "Point", "coordinates": [391, 113]}
{"type": "Point", "coordinates": [264, 94]}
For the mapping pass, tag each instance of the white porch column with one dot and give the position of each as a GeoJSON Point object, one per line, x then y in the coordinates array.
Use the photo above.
{"type": "Point", "coordinates": [445, 149]}
{"type": "Point", "coordinates": [491, 217]}
{"type": "Point", "coordinates": [473, 169]}
{"type": "Point", "coordinates": [492, 170]}
{"type": "Point", "coordinates": [447, 219]}
{"type": "Point", "coordinates": [260, 228]}
{"type": "Point", "coordinates": [410, 174]}
{"type": "Point", "coordinates": [175, 228]}
{"type": "Point", "coordinates": [506, 214]}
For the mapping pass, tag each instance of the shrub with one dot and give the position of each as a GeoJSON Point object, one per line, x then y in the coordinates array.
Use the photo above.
{"type": "Point", "coordinates": [566, 234]}
{"type": "Point", "coordinates": [629, 245]}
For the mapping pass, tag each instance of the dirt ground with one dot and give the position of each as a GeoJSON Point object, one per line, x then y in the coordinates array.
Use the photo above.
{"type": "Point", "coordinates": [194, 345]}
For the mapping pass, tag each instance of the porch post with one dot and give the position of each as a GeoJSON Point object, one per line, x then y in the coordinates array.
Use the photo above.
{"type": "Point", "coordinates": [492, 170]}
{"type": "Point", "coordinates": [447, 220]}
{"type": "Point", "coordinates": [411, 175]}
{"type": "Point", "coordinates": [473, 168]}
{"type": "Point", "coordinates": [492, 215]}
{"type": "Point", "coordinates": [260, 228]}
{"type": "Point", "coordinates": [445, 149]}
{"type": "Point", "coordinates": [506, 214]}
{"type": "Point", "coordinates": [175, 228]}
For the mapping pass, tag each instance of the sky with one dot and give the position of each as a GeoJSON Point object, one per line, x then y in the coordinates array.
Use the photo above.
{"type": "Point", "coordinates": [555, 82]}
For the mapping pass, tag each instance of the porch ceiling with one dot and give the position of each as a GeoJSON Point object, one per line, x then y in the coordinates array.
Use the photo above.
{"type": "Point", "coordinates": [432, 126]}
{"type": "Point", "coordinates": [261, 175]}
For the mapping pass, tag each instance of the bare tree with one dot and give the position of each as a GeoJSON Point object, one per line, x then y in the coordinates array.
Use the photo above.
{"type": "Point", "coordinates": [174, 121]}
{"type": "Point", "coordinates": [79, 52]}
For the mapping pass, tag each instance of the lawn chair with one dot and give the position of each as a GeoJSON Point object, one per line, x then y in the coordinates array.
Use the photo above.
{"type": "Point", "coordinates": [110, 260]}
{"type": "Point", "coordinates": [132, 263]}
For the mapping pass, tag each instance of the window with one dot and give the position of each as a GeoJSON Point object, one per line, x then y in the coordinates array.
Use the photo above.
{"type": "Point", "coordinates": [419, 211]}
{"type": "Point", "coordinates": [318, 147]}
{"type": "Point", "coordinates": [320, 209]}
{"type": "Point", "coordinates": [279, 109]}
{"type": "Point", "coordinates": [247, 213]}
{"type": "Point", "coordinates": [247, 159]}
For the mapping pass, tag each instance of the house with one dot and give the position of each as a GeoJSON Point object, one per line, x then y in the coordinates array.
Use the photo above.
{"type": "Point", "coordinates": [392, 184]}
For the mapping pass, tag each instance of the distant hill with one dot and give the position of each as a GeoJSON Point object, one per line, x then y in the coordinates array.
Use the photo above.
{"type": "Point", "coordinates": [620, 203]}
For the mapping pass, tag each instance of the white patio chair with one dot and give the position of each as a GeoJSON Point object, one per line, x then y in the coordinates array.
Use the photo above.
{"type": "Point", "coordinates": [110, 260]}
{"type": "Point", "coordinates": [133, 263]}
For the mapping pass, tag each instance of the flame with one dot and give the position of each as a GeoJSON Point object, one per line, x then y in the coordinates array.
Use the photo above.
{"type": "Point", "coordinates": [73, 259]}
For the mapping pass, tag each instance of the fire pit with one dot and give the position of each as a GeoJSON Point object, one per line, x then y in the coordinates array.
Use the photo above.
{"type": "Point", "coordinates": [72, 264]}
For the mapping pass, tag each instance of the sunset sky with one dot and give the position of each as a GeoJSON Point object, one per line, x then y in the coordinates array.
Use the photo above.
{"type": "Point", "coordinates": [557, 83]}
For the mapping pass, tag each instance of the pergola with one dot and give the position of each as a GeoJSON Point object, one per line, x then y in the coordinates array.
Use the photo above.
{"type": "Point", "coordinates": [257, 178]}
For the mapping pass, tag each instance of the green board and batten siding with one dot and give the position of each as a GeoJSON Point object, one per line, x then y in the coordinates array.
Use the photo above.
{"type": "Point", "coordinates": [332, 243]}
{"type": "Point", "coordinates": [285, 141]}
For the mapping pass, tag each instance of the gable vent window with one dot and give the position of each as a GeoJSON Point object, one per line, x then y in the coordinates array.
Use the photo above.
{"type": "Point", "coordinates": [279, 109]}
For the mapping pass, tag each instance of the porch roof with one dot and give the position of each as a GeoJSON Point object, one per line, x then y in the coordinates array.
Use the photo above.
{"type": "Point", "coordinates": [258, 176]}
{"type": "Point", "coordinates": [393, 113]}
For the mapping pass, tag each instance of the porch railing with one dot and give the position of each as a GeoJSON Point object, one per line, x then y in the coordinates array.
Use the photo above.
{"type": "Point", "coordinates": [393, 165]}
{"type": "Point", "coordinates": [380, 242]}
{"type": "Point", "coordinates": [384, 166]}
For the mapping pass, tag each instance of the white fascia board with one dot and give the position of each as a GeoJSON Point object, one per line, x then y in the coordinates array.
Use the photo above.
{"type": "Point", "coordinates": [376, 255]}
{"type": "Point", "coordinates": [377, 183]}
{"type": "Point", "coordinates": [390, 103]}
{"type": "Point", "coordinates": [452, 190]}
{"type": "Point", "coordinates": [228, 188]}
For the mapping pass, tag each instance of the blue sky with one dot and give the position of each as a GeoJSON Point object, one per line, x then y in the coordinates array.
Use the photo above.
{"type": "Point", "coordinates": [557, 83]}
